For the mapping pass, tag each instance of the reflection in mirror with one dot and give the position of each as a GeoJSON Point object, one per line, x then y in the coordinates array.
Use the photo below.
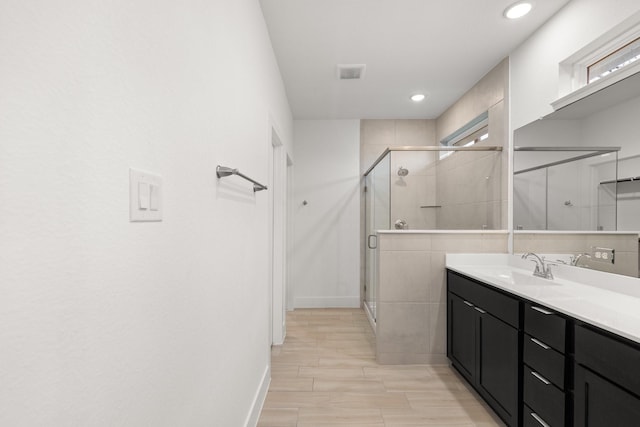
{"type": "Point", "coordinates": [576, 182]}
{"type": "Point", "coordinates": [569, 181]}
{"type": "Point", "coordinates": [565, 188]}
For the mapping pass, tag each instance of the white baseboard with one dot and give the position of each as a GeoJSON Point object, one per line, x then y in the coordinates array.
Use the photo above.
{"type": "Point", "coordinates": [258, 400]}
{"type": "Point", "coordinates": [284, 337]}
{"type": "Point", "coordinates": [327, 302]}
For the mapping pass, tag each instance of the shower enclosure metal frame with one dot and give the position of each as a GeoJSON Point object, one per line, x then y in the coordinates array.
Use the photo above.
{"type": "Point", "coordinates": [429, 148]}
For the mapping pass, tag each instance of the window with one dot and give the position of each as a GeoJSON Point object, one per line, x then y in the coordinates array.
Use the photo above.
{"type": "Point", "coordinates": [613, 62]}
{"type": "Point", "coordinates": [474, 138]}
{"type": "Point", "coordinates": [475, 131]}
{"type": "Point", "coordinates": [612, 57]}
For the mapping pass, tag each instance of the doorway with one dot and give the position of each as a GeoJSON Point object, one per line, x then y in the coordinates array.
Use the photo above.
{"type": "Point", "coordinates": [278, 226]}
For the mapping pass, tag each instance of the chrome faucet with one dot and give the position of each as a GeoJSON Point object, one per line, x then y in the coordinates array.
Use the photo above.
{"type": "Point", "coordinates": [542, 270]}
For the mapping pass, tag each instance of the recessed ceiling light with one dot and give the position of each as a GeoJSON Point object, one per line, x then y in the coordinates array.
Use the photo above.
{"type": "Point", "coordinates": [518, 10]}
{"type": "Point", "coordinates": [417, 97]}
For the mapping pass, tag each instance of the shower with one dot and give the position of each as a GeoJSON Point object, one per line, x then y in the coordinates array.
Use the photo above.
{"type": "Point", "coordinates": [395, 202]}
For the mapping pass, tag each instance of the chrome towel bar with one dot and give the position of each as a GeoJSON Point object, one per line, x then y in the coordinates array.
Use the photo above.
{"type": "Point", "coordinates": [222, 171]}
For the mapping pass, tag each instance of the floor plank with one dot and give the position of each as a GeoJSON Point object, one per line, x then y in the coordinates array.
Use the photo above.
{"type": "Point", "coordinates": [325, 374]}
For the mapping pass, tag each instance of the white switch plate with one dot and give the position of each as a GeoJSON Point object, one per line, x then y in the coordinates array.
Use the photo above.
{"type": "Point", "coordinates": [145, 196]}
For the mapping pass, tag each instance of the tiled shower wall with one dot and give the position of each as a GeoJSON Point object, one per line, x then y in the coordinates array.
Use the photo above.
{"type": "Point", "coordinates": [411, 194]}
{"type": "Point", "coordinates": [473, 189]}
{"type": "Point", "coordinates": [469, 191]}
{"type": "Point", "coordinates": [377, 135]}
{"type": "Point", "coordinates": [411, 312]}
{"type": "Point", "coordinates": [408, 193]}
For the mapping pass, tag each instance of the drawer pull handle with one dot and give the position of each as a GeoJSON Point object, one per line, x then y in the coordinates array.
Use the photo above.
{"type": "Point", "coordinates": [541, 310]}
{"type": "Point", "coordinates": [480, 310]}
{"type": "Point", "coordinates": [541, 378]}
{"type": "Point", "coordinates": [468, 303]}
{"type": "Point", "coordinates": [538, 419]}
{"type": "Point", "coordinates": [540, 343]}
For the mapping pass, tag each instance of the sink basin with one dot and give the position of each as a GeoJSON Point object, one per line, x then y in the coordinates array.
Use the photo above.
{"type": "Point", "coordinates": [523, 282]}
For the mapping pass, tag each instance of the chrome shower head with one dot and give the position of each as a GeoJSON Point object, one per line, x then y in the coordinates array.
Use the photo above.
{"type": "Point", "coordinates": [403, 171]}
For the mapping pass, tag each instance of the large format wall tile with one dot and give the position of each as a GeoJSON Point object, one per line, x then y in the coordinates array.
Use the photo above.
{"type": "Point", "coordinates": [411, 316]}
{"type": "Point", "coordinates": [404, 275]}
{"type": "Point", "coordinates": [403, 328]}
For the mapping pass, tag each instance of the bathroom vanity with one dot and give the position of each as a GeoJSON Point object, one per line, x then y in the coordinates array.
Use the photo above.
{"type": "Point", "coordinates": [561, 352]}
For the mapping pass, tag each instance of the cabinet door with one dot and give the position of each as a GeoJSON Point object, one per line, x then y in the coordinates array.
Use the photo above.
{"type": "Point", "coordinates": [462, 335]}
{"type": "Point", "coordinates": [601, 403]}
{"type": "Point", "coordinates": [497, 374]}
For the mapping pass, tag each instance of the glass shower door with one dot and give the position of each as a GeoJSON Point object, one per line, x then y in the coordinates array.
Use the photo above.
{"type": "Point", "coordinates": [377, 217]}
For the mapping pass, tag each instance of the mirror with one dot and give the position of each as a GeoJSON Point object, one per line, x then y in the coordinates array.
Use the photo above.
{"type": "Point", "coordinates": [578, 168]}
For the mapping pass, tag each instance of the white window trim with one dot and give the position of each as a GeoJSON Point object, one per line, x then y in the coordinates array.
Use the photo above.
{"type": "Point", "coordinates": [573, 70]}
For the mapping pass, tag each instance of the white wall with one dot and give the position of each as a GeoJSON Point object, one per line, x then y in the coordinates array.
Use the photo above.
{"type": "Point", "coordinates": [107, 322]}
{"type": "Point", "coordinates": [535, 64]}
{"type": "Point", "coordinates": [326, 264]}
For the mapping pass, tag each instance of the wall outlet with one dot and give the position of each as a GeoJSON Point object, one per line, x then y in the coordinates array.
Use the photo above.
{"type": "Point", "coordinates": [605, 255]}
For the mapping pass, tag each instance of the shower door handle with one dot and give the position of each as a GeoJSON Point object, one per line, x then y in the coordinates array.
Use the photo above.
{"type": "Point", "coordinates": [374, 246]}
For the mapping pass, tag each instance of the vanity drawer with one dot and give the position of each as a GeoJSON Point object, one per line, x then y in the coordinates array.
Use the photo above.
{"type": "Point", "coordinates": [545, 325]}
{"type": "Point", "coordinates": [496, 303]}
{"type": "Point", "coordinates": [612, 358]}
{"type": "Point", "coordinates": [531, 419]}
{"type": "Point", "coordinates": [544, 398]}
{"type": "Point", "coordinates": [544, 360]}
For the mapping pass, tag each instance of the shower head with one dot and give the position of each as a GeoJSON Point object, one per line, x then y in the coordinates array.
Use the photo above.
{"type": "Point", "coordinates": [403, 171]}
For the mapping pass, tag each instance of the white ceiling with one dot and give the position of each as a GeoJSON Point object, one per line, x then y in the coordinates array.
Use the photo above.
{"type": "Point", "coordinates": [439, 47]}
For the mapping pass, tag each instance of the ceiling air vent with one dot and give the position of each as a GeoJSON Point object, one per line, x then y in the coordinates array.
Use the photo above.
{"type": "Point", "coordinates": [351, 71]}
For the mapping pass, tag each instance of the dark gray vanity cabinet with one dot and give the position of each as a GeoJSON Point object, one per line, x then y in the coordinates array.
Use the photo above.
{"type": "Point", "coordinates": [607, 379]}
{"type": "Point", "coordinates": [545, 395]}
{"type": "Point", "coordinates": [483, 342]}
{"type": "Point", "coordinates": [537, 367]}
{"type": "Point", "coordinates": [462, 336]}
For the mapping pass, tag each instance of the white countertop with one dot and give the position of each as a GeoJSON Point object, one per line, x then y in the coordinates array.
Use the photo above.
{"type": "Point", "coordinates": [608, 301]}
{"type": "Point", "coordinates": [562, 232]}
{"type": "Point", "coordinates": [442, 231]}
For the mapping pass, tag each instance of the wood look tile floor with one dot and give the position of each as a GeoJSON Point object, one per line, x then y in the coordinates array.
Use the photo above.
{"type": "Point", "coordinates": [326, 374]}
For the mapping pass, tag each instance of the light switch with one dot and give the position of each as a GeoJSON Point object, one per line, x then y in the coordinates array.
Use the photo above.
{"type": "Point", "coordinates": [154, 197]}
{"type": "Point", "coordinates": [145, 196]}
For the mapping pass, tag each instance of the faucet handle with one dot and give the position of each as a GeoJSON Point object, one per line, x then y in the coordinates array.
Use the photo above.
{"type": "Point", "coordinates": [548, 273]}
{"type": "Point", "coordinates": [537, 269]}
